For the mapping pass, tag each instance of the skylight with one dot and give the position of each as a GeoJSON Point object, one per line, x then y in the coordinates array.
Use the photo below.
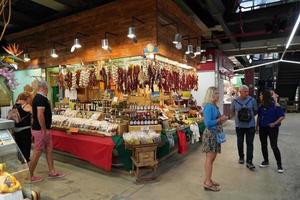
{"type": "Point", "coordinates": [248, 5]}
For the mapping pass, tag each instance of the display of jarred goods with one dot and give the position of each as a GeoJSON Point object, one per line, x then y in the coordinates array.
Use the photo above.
{"type": "Point", "coordinates": [141, 137]}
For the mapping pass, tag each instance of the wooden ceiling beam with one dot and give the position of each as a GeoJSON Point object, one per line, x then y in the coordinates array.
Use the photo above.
{"type": "Point", "coordinates": [54, 5]}
{"type": "Point", "coordinates": [72, 3]}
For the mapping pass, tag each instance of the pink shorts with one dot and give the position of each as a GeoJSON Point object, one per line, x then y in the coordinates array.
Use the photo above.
{"type": "Point", "coordinates": [42, 141]}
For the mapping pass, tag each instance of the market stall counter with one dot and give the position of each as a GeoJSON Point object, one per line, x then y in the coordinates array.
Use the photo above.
{"type": "Point", "coordinates": [94, 149]}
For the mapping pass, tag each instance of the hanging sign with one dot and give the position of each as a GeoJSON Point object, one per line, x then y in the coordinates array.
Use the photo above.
{"type": "Point", "coordinates": [150, 49]}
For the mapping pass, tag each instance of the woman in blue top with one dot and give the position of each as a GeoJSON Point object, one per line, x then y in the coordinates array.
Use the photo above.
{"type": "Point", "coordinates": [269, 118]}
{"type": "Point", "coordinates": [212, 119]}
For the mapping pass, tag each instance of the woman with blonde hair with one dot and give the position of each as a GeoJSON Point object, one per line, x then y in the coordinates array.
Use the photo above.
{"type": "Point", "coordinates": [213, 120]}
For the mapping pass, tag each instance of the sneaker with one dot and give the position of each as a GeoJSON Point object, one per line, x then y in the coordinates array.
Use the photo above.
{"type": "Point", "coordinates": [56, 175]}
{"type": "Point", "coordinates": [280, 169]}
{"type": "Point", "coordinates": [250, 166]}
{"type": "Point", "coordinates": [241, 161]}
{"type": "Point", "coordinates": [264, 164]}
{"type": "Point", "coordinates": [36, 179]}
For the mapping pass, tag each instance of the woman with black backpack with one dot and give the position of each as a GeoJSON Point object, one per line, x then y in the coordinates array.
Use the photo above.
{"type": "Point", "coordinates": [269, 119]}
{"type": "Point", "coordinates": [22, 130]}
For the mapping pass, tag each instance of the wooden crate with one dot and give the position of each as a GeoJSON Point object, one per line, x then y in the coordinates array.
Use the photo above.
{"type": "Point", "coordinates": [144, 156]}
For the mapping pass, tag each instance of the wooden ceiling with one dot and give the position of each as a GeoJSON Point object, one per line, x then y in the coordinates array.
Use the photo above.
{"type": "Point", "coordinates": [30, 13]}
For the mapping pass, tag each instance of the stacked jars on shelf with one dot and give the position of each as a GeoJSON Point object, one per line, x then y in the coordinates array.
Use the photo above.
{"type": "Point", "coordinates": [143, 115]}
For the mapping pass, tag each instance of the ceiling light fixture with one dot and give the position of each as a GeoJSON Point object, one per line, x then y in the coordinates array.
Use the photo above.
{"type": "Point", "coordinates": [77, 44]}
{"type": "Point", "coordinates": [26, 57]}
{"type": "Point", "coordinates": [131, 30]}
{"type": "Point", "coordinates": [203, 59]}
{"type": "Point", "coordinates": [250, 60]}
{"type": "Point", "coordinates": [198, 50]}
{"type": "Point", "coordinates": [105, 43]}
{"type": "Point", "coordinates": [293, 33]}
{"type": "Point", "coordinates": [177, 39]}
{"type": "Point", "coordinates": [189, 50]}
{"type": "Point", "coordinates": [209, 58]}
{"type": "Point", "coordinates": [53, 53]}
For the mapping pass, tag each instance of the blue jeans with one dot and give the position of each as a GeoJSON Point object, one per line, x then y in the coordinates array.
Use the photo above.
{"type": "Point", "coordinates": [249, 132]}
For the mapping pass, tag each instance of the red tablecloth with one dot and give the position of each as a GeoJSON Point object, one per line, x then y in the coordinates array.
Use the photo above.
{"type": "Point", "coordinates": [96, 150]}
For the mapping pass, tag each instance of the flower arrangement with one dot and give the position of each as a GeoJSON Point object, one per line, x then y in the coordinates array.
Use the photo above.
{"type": "Point", "coordinates": [9, 75]}
{"type": "Point", "coordinates": [8, 64]}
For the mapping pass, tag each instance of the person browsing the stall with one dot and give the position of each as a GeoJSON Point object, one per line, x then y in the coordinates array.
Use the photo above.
{"type": "Point", "coordinates": [42, 119]}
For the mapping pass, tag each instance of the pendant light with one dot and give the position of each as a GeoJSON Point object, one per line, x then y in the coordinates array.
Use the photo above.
{"type": "Point", "coordinates": [26, 57]}
{"type": "Point", "coordinates": [53, 53]}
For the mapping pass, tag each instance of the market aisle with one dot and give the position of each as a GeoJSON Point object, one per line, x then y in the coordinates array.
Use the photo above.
{"type": "Point", "coordinates": [181, 176]}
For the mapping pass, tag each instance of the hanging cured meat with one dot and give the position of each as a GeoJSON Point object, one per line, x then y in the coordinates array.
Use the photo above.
{"type": "Point", "coordinates": [92, 78]}
{"type": "Point", "coordinates": [68, 79]}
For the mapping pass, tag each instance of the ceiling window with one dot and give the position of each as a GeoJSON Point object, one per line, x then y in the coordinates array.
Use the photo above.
{"type": "Point", "coordinates": [248, 5]}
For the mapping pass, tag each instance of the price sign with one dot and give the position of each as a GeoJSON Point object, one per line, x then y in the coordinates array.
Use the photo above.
{"type": "Point", "coordinates": [73, 130]}
{"type": "Point", "coordinates": [145, 128]}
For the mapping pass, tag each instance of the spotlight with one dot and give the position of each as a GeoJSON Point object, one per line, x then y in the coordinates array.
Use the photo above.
{"type": "Point", "coordinates": [131, 32]}
{"type": "Point", "coordinates": [76, 45]}
{"type": "Point", "coordinates": [248, 57]}
{"type": "Point", "coordinates": [104, 44]}
{"type": "Point", "coordinates": [53, 53]}
{"type": "Point", "coordinates": [189, 49]}
{"type": "Point", "coordinates": [26, 57]}
{"type": "Point", "coordinates": [177, 39]}
{"type": "Point", "coordinates": [250, 60]}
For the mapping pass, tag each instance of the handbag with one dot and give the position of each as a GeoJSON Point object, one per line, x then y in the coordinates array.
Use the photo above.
{"type": "Point", "coordinates": [221, 137]}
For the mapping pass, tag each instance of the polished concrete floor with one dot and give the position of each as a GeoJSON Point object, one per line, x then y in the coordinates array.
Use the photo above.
{"type": "Point", "coordinates": [181, 177]}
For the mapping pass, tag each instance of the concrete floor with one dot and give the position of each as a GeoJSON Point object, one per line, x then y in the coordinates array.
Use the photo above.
{"type": "Point", "coordinates": [181, 177]}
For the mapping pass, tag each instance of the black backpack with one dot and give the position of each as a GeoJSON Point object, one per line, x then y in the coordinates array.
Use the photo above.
{"type": "Point", "coordinates": [244, 114]}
